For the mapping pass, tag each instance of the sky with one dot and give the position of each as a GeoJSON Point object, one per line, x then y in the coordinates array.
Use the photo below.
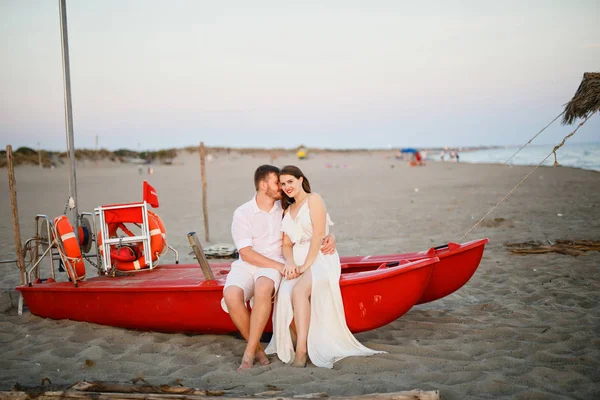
{"type": "Point", "coordinates": [150, 74]}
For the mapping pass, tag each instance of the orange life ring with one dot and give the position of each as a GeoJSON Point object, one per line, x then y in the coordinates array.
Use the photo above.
{"type": "Point", "coordinates": [157, 245]}
{"type": "Point", "coordinates": [75, 266]}
{"type": "Point", "coordinates": [161, 225]}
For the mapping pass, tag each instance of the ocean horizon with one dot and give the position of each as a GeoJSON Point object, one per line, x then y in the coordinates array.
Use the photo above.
{"type": "Point", "coordinates": [577, 155]}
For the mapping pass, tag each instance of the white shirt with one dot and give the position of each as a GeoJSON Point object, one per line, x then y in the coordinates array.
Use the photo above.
{"type": "Point", "coordinates": [258, 229]}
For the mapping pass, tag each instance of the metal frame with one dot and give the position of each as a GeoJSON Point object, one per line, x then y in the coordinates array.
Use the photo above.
{"type": "Point", "coordinates": [52, 243]}
{"type": "Point", "coordinates": [104, 266]}
{"type": "Point", "coordinates": [174, 251]}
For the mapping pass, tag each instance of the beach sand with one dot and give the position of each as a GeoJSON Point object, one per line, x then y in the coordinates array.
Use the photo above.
{"type": "Point", "coordinates": [524, 327]}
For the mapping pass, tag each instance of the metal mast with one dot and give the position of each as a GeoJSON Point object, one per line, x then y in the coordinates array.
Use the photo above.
{"type": "Point", "coordinates": [68, 113]}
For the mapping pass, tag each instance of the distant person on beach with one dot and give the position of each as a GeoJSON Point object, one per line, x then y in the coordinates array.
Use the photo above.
{"type": "Point", "coordinates": [256, 231]}
{"type": "Point", "coordinates": [419, 159]}
{"type": "Point", "coordinates": [310, 293]}
{"type": "Point", "coordinates": [454, 155]}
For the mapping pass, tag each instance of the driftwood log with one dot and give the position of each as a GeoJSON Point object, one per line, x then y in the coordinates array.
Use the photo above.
{"type": "Point", "coordinates": [71, 394]}
{"type": "Point", "coordinates": [567, 247]}
{"type": "Point", "coordinates": [110, 391]}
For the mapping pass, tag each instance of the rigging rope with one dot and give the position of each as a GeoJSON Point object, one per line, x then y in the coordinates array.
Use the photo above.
{"type": "Point", "coordinates": [530, 172]}
{"type": "Point", "coordinates": [536, 135]}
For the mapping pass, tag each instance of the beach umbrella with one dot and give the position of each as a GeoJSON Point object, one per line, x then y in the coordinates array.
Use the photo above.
{"type": "Point", "coordinates": [586, 100]}
{"type": "Point", "coordinates": [409, 150]}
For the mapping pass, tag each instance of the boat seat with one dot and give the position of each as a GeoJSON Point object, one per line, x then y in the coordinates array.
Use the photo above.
{"type": "Point", "coordinates": [393, 264]}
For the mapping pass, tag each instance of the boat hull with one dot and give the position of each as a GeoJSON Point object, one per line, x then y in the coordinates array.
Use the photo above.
{"type": "Point", "coordinates": [176, 298]}
{"type": "Point", "coordinates": [458, 263]}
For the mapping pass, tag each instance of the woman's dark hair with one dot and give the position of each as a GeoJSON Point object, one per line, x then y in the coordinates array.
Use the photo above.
{"type": "Point", "coordinates": [263, 172]}
{"type": "Point", "coordinates": [296, 173]}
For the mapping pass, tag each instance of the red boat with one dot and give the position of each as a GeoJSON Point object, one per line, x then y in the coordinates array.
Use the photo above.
{"type": "Point", "coordinates": [177, 298]}
{"type": "Point", "coordinates": [376, 290]}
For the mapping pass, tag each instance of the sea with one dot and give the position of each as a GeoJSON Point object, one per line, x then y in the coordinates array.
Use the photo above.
{"type": "Point", "coordinates": [578, 155]}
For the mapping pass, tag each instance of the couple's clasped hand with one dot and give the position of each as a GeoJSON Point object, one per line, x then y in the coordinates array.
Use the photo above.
{"type": "Point", "coordinates": [292, 271]}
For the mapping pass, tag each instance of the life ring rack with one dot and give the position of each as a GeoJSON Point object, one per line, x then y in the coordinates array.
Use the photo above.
{"type": "Point", "coordinates": [129, 257]}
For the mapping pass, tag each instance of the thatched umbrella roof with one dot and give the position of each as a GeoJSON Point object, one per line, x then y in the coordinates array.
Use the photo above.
{"type": "Point", "coordinates": [586, 99]}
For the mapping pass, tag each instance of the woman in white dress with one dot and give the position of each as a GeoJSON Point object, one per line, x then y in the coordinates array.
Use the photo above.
{"type": "Point", "coordinates": [309, 297]}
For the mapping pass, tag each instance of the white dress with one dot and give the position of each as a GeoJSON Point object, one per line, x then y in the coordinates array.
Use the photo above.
{"type": "Point", "coordinates": [329, 338]}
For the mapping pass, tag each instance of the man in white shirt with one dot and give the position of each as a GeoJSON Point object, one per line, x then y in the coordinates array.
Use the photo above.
{"type": "Point", "coordinates": [256, 231]}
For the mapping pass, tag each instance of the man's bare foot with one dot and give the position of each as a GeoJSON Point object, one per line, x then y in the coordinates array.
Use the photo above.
{"type": "Point", "coordinates": [300, 360]}
{"type": "Point", "coordinates": [262, 358]}
{"type": "Point", "coordinates": [247, 362]}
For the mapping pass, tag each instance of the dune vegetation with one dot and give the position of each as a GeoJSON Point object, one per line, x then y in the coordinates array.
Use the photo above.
{"type": "Point", "coordinates": [48, 159]}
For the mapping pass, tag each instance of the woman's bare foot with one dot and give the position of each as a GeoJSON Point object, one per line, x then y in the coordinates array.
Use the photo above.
{"type": "Point", "coordinates": [247, 362]}
{"type": "Point", "coordinates": [262, 358]}
{"type": "Point", "coordinates": [294, 337]}
{"type": "Point", "coordinates": [300, 360]}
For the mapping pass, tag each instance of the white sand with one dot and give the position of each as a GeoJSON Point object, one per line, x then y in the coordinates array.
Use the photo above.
{"type": "Point", "coordinates": [523, 327]}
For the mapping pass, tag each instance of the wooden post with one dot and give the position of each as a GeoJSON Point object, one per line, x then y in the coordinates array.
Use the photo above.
{"type": "Point", "coordinates": [197, 247]}
{"type": "Point", "coordinates": [15, 212]}
{"type": "Point", "coordinates": [39, 154]}
{"type": "Point", "coordinates": [204, 205]}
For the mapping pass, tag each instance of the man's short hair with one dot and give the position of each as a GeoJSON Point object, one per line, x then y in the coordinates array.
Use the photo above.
{"type": "Point", "coordinates": [263, 172]}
